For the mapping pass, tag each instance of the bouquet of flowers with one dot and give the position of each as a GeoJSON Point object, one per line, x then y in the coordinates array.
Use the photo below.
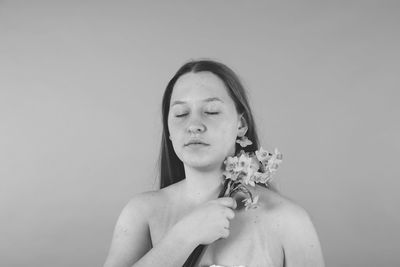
{"type": "Point", "coordinates": [249, 168]}
{"type": "Point", "coordinates": [245, 168]}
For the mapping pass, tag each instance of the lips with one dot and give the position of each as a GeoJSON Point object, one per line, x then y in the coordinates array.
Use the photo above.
{"type": "Point", "coordinates": [196, 142]}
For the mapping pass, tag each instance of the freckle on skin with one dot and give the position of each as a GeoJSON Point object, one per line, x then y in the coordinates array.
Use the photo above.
{"type": "Point", "coordinates": [122, 229]}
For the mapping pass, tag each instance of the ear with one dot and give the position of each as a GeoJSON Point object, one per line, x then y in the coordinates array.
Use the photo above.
{"type": "Point", "coordinates": [242, 126]}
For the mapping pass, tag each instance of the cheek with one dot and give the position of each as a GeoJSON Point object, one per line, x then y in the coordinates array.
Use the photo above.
{"type": "Point", "coordinates": [172, 127]}
{"type": "Point", "coordinates": [176, 135]}
{"type": "Point", "coordinates": [228, 133]}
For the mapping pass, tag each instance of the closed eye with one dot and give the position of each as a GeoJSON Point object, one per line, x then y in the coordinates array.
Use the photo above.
{"type": "Point", "coordinates": [181, 115]}
{"type": "Point", "coordinates": [185, 114]}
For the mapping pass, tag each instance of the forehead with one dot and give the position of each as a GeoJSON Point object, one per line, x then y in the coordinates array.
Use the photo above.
{"type": "Point", "coordinates": [199, 86]}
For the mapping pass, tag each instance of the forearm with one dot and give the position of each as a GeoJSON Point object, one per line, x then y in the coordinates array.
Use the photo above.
{"type": "Point", "coordinates": [171, 251]}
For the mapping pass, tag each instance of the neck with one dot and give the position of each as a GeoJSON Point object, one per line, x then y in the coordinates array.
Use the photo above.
{"type": "Point", "coordinates": [202, 186]}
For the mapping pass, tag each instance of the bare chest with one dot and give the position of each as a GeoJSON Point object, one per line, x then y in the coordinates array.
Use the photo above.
{"type": "Point", "coordinates": [252, 241]}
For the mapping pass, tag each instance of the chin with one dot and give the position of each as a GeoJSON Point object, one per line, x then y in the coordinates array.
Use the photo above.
{"type": "Point", "coordinates": [203, 168]}
{"type": "Point", "coordinates": [204, 163]}
{"type": "Point", "coordinates": [196, 163]}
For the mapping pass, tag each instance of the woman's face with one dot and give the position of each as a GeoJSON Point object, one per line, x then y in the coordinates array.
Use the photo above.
{"type": "Point", "coordinates": [202, 120]}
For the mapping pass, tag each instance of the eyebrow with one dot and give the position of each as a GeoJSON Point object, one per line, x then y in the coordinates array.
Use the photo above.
{"type": "Point", "coordinates": [210, 99]}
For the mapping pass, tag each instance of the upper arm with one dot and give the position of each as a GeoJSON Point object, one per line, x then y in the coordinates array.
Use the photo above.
{"type": "Point", "coordinates": [131, 239]}
{"type": "Point", "coordinates": [301, 244]}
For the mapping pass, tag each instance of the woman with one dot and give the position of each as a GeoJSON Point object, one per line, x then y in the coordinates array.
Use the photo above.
{"type": "Point", "coordinates": [205, 109]}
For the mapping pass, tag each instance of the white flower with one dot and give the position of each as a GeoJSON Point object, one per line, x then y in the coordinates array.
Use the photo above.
{"type": "Point", "coordinates": [250, 204]}
{"type": "Point", "coordinates": [231, 163]}
{"type": "Point", "coordinates": [244, 162]}
{"type": "Point", "coordinates": [262, 177]}
{"type": "Point", "coordinates": [244, 141]}
{"type": "Point", "coordinates": [273, 163]}
{"type": "Point", "coordinates": [263, 155]}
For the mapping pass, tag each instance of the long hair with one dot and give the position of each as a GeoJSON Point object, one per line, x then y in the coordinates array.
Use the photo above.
{"type": "Point", "coordinates": [171, 167]}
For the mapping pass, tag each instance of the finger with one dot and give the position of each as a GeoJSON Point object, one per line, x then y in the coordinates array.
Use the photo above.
{"type": "Point", "coordinates": [229, 213]}
{"type": "Point", "coordinates": [225, 232]}
{"type": "Point", "coordinates": [228, 202]}
{"type": "Point", "coordinates": [227, 224]}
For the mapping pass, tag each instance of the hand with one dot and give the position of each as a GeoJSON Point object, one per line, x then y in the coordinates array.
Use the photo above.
{"type": "Point", "coordinates": [208, 222]}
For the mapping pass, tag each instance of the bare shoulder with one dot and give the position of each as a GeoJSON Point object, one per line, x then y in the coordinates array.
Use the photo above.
{"type": "Point", "coordinates": [276, 212]}
{"type": "Point", "coordinates": [144, 203]}
{"type": "Point", "coordinates": [134, 216]}
{"type": "Point", "coordinates": [294, 227]}
{"type": "Point", "coordinates": [149, 202]}
{"type": "Point", "coordinates": [131, 232]}
{"type": "Point", "coordinates": [275, 204]}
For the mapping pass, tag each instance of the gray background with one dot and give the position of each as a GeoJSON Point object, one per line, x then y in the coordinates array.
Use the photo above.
{"type": "Point", "coordinates": [80, 92]}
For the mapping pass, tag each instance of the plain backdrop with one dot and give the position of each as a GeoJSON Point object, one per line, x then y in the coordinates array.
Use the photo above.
{"type": "Point", "coordinates": [80, 94]}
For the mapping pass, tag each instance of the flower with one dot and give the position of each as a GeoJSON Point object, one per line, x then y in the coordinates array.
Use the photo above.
{"type": "Point", "coordinates": [263, 155]}
{"type": "Point", "coordinates": [262, 177]}
{"type": "Point", "coordinates": [244, 141]}
{"type": "Point", "coordinates": [244, 162]}
{"type": "Point", "coordinates": [250, 203]}
{"type": "Point", "coordinates": [273, 163]}
{"type": "Point", "coordinates": [231, 163]}
{"type": "Point", "coordinates": [250, 168]}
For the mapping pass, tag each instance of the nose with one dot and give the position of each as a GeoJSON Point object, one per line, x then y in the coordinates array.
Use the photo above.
{"type": "Point", "coordinates": [196, 127]}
